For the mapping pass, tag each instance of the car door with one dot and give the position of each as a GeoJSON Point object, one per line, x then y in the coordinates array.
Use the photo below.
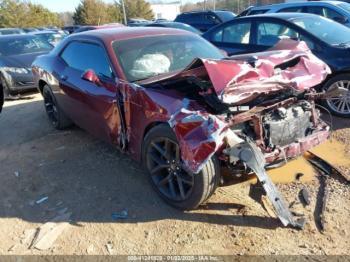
{"type": "Point", "coordinates": [91, 105]}
{"type": "Point", "coordinates": [234, 37]}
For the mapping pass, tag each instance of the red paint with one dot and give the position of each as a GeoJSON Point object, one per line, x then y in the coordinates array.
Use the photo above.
{"type": "Point", "coordinates": [200, 134]}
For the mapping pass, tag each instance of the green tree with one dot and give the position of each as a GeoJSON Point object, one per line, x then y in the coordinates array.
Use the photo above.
{"type": "Point", "coordinates": [136, 9]}
{"type": "Point", "coordinates": [16, 13]}
{"type": "Point", "coordinates": [95, 12]}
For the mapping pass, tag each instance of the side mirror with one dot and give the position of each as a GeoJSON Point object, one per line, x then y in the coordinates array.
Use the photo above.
{"type": "Point", "coordinates": [90, 76]}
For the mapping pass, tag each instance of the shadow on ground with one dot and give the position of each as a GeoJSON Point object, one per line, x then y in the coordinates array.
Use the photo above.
{"type": "Point", "coordinates": [82, 175]}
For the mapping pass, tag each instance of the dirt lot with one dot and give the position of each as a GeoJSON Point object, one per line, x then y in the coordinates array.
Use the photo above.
{"type": "Point", "coordinates": [91, 180]}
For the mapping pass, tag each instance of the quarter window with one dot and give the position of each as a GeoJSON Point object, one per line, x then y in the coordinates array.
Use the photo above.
{"type": "Point", "coordinates": [234, 33]}
{"type": "Point", "coordinates": [83, 56]}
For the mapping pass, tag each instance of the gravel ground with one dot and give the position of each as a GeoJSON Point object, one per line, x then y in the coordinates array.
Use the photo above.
{"type": "Point", "coordinates": [88, 180]}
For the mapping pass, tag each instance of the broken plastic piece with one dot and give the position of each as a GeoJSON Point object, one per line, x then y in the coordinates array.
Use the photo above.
{"type": "Point", "coordinates": [305, 196]}
{"type": "Point", "coordinates": [251, 155]}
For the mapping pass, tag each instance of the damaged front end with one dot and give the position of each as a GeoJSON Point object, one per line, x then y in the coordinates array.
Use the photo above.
{"type": "Point", "coordinates": [252, 111]}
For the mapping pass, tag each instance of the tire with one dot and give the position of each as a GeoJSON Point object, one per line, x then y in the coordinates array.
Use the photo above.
{"type": "Point", "coordinates": [338, 106]}
{"type": "Point", "coordinates": [57, 118]}
{"type": "Point", "coordinates": [6, 92]}
{"type": "Point", "coordinates": [196, 188]}
{"type": "Point", "coordinates": [2, 98]}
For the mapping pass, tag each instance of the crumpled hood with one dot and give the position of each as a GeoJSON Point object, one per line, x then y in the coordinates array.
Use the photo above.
{"type": "Point", "coordinates": [290, 64]}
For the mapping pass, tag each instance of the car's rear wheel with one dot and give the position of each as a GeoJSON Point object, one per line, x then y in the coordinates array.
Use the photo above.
{"type": "Point", "coordinates": [57, 118]}
{"type": "Point", "coordinates": [339, 106]}
{"type": "Point", "coordinates": [179, 188]}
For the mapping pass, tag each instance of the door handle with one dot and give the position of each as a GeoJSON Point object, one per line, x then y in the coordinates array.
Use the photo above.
{"type": "Point", "coordinates": [64, 77]}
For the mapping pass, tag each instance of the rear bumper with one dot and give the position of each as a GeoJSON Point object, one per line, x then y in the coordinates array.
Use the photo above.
{"type": "Point", "coordinates": [298, 148]}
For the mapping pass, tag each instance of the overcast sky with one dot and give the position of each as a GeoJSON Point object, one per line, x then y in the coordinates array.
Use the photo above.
{"type": "Point", "coordinates": [69, 5]}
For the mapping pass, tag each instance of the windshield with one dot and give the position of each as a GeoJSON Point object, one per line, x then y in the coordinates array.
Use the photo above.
{"type": "Point", "coordinates": [151, 56]}
{"type": "Point", "coordinates": [23, 45]}
{"type": "Point", "coordinates": [327, 30]}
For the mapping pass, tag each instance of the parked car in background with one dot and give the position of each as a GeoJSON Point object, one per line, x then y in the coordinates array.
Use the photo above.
{"type": "Point", "coordinates": [154, 92]}
{"type": "Point", "coordinates": [335, 10]}
{"type": "Point", "coordinates": [176, 25]}
{"type": "Point", "coordinates": [328, 40]}
{"type": "Point", "coordinates": [30, 29]}
{"type": "Point", "coordinates": [94, 27]}
{"type": "Point", "coordinates": [50, 36]}
{"type": "Point", "coordinates": [70, 28]}
{"type": "Point", "coordinates": [17, 52]}
{"type": "Point", "coordinates": [136, 22]}
{"type": "Point", "coordinates": [11, 31]}
{"type": "Point", "coordinates": [204, 20]}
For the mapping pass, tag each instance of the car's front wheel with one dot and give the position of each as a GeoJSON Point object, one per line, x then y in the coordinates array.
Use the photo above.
{"type": "Point", "coordinates": [5, 88]}
{"type": "Point", "coordinates": [58, 119]}
{"type": "Point", "coordinates": [179, 188]}
{"type": "Point", "coordinates": [339, 106]}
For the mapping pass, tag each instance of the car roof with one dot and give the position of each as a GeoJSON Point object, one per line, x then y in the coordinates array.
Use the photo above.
{"type": "Point", "coordinates": [44, 32]}
{"type": "Point", "coordinates": [284, 16]}
{"type": "Point", "coordinates": [10, 28]}
{"type": "Point", "coordinates": [291, 4]}
{"type": "Point", "coordinates": [123, 33]}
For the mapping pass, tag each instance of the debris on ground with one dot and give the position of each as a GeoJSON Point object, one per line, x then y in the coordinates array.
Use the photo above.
{"type": "Point", "coordinates": [109, 248]}
{"type": "Point", "coordinates": [304, 196]}
{"type": "Point", "coordinates": [298, 176]}
{"type": "Point", "coordinates": [41, 200]}
{"type": "Point", "coordinates": [47, 234]}
{"type": "Point", "coordinates": [27, 237]}
{"type": "Point", "coordinates": [120, 215]}
{"type": "Point", "coordinates": [16, 173]}
{"type": "Point", "coordinates": [326, 168]}
{"type": "Point", "coordinates": [322, 219]}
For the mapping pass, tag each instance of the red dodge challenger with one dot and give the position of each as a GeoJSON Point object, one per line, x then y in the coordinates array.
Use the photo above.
{"type": "Point", "coordinates": [173, 101]}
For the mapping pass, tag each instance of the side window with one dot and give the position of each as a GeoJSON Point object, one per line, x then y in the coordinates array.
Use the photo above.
{"type": "Point", "coordinates": [211, 19]}
{"type": "Point", "coordinates": [331, 14]}
{"type": "Point", "coordinates": [83, 56]}
{"type": "Point", "coordinates": [295, 9]}
{"type": "Point", "coordinates": [316, 10]}
{"type": "Point", "coordinates": [197, 18]}
{"type": "Point", "coordinates": [270, 34]}
{"type": "Point", "coordinates": [234, 33]}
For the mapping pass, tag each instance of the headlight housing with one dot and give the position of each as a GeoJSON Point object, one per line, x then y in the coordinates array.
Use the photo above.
{"type": "Point", "coordinates": [17, 70]}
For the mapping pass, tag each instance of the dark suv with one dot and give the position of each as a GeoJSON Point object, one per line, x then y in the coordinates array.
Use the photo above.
{"type": "Point", "coordinates": [204, 20]}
